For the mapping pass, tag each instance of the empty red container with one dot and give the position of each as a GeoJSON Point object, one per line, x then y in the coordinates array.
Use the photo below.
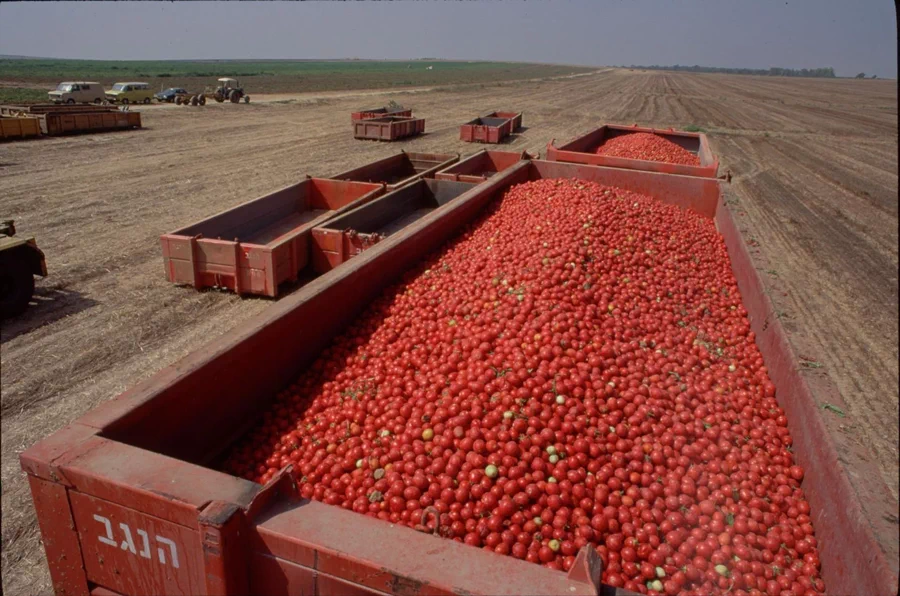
{"type": "Point", "coordinates": [388, 128]}
{"type": "Point", "coordinates": [485, 130]}
{"type": "Point", "coordinates": [515, 117]}
{"type": "Point", "coordinates": [400, 168]}
{"type": "Point", "coordinates": [349, 234]}
{"type": "Point", "coordinates": [255, 247]}
{"type": "Point", "coordinates": [482, 165]}
{"type": "Point", "coordinates": [581, 150]}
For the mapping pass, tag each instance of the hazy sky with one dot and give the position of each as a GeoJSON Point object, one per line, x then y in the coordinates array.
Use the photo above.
{"type": "Point", "coordinates": [849, 35]}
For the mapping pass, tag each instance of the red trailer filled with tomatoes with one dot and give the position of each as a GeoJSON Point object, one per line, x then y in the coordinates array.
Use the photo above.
{"type": "Point", "coordinates": [565, 380]}
{"type": "Point", "coordinates": [637, 148]}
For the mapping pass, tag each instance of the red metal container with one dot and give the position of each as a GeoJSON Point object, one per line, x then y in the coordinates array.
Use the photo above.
{"type": "Point", "coordinates": [347, 235]}
{"type": "Point", "coordinates": [388, 128]}
{"type": "Point", "coordinates": [581, 150]}
{"type": "Point", "coordinates": [255, 247]}
{"type": "Point", "coordinates": [400, 169]}
{"type": "Point", "coordinates": [516, 118]}
{"type": "Point", "coordinates": [482, 165]}
{"type": "Point", "coordinates": [128, 502]}
{"type": "Point", "coordinates": [67, 122]}
{"type": "Point", "coordinates": [486, 129]}
{"type": "Point", "coordinates": [367, 113]}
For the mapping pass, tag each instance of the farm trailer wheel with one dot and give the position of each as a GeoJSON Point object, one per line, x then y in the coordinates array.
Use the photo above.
{"type": "Point", "coordinates": [16, 286]}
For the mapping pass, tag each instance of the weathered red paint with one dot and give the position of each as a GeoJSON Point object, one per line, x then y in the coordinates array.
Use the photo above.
{"type": "Point", "coordinates": [388, 128]}
{"type": "Point", "coordinates": [68, 122]}
{"type": "Point", "coordinates": [480, 166]}
{"type": "Point", "coordinates": [346, 235]}
{"type": "Point", "coordinates": [399, 169]}
{"type": "Point", "coordinates": [488, 129]}
{"type": "Point", "coordinates": [581, 150]}
{"type": "Point", "coordinates": [255, 247]}
{"type": "Point", "coordinates": [367, 113]}
{"type": "Point", "coordinates": [61, 545]}
{"type": "Point", "coordinates": [142, 458]}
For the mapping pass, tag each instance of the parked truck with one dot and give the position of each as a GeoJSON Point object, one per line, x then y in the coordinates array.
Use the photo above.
{"type": "Point", "coordinates": [20, 261]}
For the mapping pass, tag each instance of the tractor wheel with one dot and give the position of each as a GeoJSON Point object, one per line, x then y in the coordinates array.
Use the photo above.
{"type": "Point", "coordinates": [193, 100]}
{"type": "Point", "coordinates": [16, 287]}
{"type": "Point", "coordinates": [178, 100]}
{"type": "Point", "coordinates": [219, 98]}
{"type": "Point", "coordinates": [201, 99]}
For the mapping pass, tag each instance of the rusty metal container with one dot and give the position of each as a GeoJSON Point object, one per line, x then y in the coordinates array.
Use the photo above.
{"type": "Point", "coordinates": [255, 247]}
{"type": "Point", "coordinates": [388, 128]}
{"type": "Point", "coordinates": [46, 108]}
{"type": "Point", "coordinates": [400, 168]}
{"type": "Point", "coordinates": [486, 129]}
{"type": "Point", "coordinates": [347, 235]}
{"type": "Point", "coordinates": [367, 113]}
{"type": "Point", "coordinates": [129, 502]}
{"type": "Point", "coordinates": [19, 128]}
{"type": "Point", "coordinates": [66, 122]}
{"type": "Point", "coordinates": [581, 150]}
{"type": "Point", "coordinates": [515, 117]}
{"type": "Point", "coordinates": [482, 165]}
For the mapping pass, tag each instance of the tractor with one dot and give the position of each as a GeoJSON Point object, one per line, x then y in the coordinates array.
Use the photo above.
{"type": "Point", "coordinates": [228, 89]}
{"type": "Point", "coordinates": [20, 261]}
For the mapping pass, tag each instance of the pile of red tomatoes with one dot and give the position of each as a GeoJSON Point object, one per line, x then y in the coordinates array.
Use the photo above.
{"type": "Point", "coordinates": [575, 368]}
{"type": "Point", "coordinates": [647, 146]}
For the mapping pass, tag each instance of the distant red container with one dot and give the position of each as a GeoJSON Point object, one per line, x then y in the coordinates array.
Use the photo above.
{"type": "Point", "coordinates": [516, 118]}
{"type": "Point", "coordinates": [349, 234]}
{"type": "Point", "coordinates": [255, 247]}
{"type": "Point", "coordinates": [365, 114]}
{"type": "Point", "coordinates": [388, 128]}
{"type": "Point", "coordinates": [400, 169]}
{"type": "Point", "coordinates": [581, 150]}
{"type": "Point", "coordinates": [480, 166]}
{"type": "Point", "coordinates": [485, 130]}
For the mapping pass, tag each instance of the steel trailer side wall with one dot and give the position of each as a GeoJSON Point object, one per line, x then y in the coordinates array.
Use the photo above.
{"type": "Point", "coordinates": [482, 165]}
{"type": "Point", "coordinates": [214, 399]}
{"type": "Point", "coordinates": [486, 129]}
{"type": "Point", "coordinates": [19, 128]}
{"type": "Point", "coordinates": [60, 123]}
{"type": "Point", "coordinates": [388, 128]}
{"type": "Point", "coordinates": [580, 150]}
{"type": "Point", "coordinates": [347, 235]}
{"type": "Point", "coordinates": [365, 114]}
{"type": "Point", "coordinates": [425, 165]}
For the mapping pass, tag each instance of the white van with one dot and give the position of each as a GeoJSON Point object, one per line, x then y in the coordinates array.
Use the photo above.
{"type": "Point", "coordinates": [77, 92]}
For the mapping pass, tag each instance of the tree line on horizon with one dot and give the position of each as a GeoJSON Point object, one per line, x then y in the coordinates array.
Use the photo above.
{"type": "Point", "coordinates": [826, 72]}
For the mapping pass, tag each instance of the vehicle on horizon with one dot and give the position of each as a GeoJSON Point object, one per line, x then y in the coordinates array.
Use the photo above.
{"type": "Point", "coordinates": [229, 89]}
{"type": "Point", "coordinates": [126, 93]}
{"type": "Point", "coordinates": [71, 92]}
{"type": "Point", "coordinates": [168, 95]}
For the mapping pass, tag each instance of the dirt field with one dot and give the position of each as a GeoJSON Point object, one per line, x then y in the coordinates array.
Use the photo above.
{"type": "Point", "coordinates": [815, 171]}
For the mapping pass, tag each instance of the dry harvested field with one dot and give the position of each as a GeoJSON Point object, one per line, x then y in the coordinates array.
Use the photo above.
{"type": "Point", "coordinates": [815, 179]}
